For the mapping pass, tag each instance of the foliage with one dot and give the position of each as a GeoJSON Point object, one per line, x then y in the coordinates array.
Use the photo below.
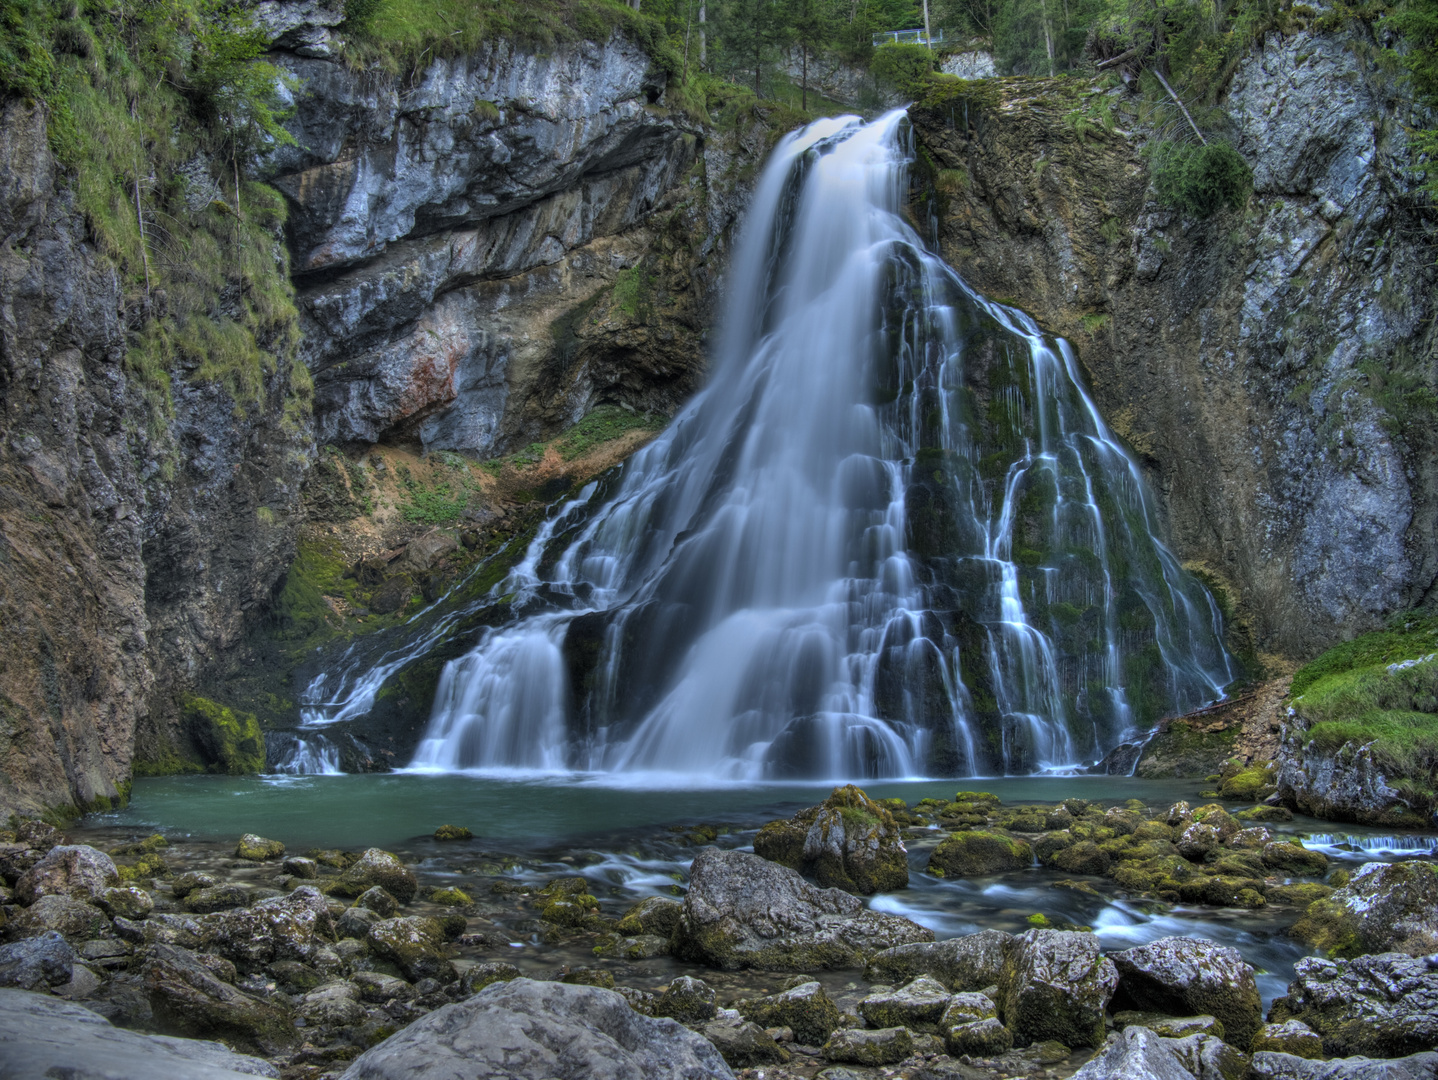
{"type": "Point", "coordinates": [904, 67]}
{"type": "Point", "coordinates": [1407, 637]}
{"type": "Point", "coordinates": [604, 423]}
{"type": "Point", "coordinates": [1417, 21]}
{"type": "Point", "coordinates": [1199, 179]}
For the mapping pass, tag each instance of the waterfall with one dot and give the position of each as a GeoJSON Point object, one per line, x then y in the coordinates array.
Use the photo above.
{"type": "Point", "coordinates": [892, 537]}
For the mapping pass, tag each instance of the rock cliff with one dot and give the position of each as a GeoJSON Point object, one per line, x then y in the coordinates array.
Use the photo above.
{"type": "Point", "coordinates": [1272, 367]}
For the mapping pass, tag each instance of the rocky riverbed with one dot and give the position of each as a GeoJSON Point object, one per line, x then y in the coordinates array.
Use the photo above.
{"type": "Point", "coordinates": [857, 938]}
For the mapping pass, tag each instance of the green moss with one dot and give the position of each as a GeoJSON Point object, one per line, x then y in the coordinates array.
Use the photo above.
{"type": "Point", "coordinates": [977, 853]}
{"type": "Point", "coordinates": [228, 741]}
{"type": "Point", "coordinates": [1250, 784]}
{"type": "Point", "coordinates": [453, 832]}
{"type": "Point", "coordinates": [451, 897]}
{"type": "Point", "coordinates": [1407, 637]}
{"type": "Point", "coordinates": [601, 425]}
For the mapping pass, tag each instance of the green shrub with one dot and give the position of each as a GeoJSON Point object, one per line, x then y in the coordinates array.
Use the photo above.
{"type": "Point", "coordinates": [904, 67]}
{"type": "Point", "coordinates": [1199, 179]}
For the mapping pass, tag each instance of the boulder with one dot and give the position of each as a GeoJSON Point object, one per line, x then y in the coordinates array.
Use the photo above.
{"type": "Point", "coordinates": [887, 1046]}
{"type": "Point", "coordinates": [356, 922]}
{"type": "Point", "coordinates": [1170, 1027]}
{"type": "Point", "coordinates": [380, 902]}
{"type": "Point", "coordinates": [187, 998]}
{"type": "Point", "coordinates": [1188, 976]}
{"type": "Point", "coordinates": [452, 832]}
{"type": "Point", "coordinates": [972, 962]}
{"type": "Point", "coordinates": [1385, 1005]}
{"type": "Point", "coordinates": [655, 916]}
{"type": "Point", "coordinates": [978, 1038]}
{"type": "Point", "coordinates": [919, 1006]}
{"type": "Point", "coordinates": [1273, 1066]}
{"type": "Point", "coordinates": [1056, 985]}
{"type": "Point", "coordinates": [744, 911]}
{"type": "Point", "coordinates": [855, 844]}
{"type": "Point", "coordinates": [37, 962]}
{"type": "Point", "coordinates": [225, 897]}
{"type": "Point", "coordinates": [280, 928]}
{"type": "Point", "coordinates": [1384, 907]}
{"type": "Point", "coordinates": [479, 976]}
{"type": "Point", "coordinates": [46, 1037]}
{"type": "Point", "coordinates": [744, 1044]}
{"type": "Point", "coordinates": [191, 880]}
{"type": "Point", "coordinates": [530, 1030]}
{"type": "Point", "coordinates": [1140, 1054]}
{"type": "Point", "coordinates": [128, 903]}
{"type": "Point", "coordinates": [688, 1000]}
{"type": "Point", "coordinates": [978, 853]}
{"type": "Point", "coordinates": [376, 867]}
{"type": "Point", "coordinates": [1290, 1037]}
{"type": "Point", "coordinates": [1294, 859]}
{"type": "Point", "coordinates": [805, 1009]}
{"type": "Point", "coordinates": [258, 849]}
{"type": "Point", "coordinates": [331, 1006]}
{"type": "Point", "coordinates": [377, 988]}
{"type": "Point", "coordinates": [297, 866]}
{"type": "Point", "coordinates": [75, 919]}
{"type": "Point", "coordinates": [414, 944]}
{"type": "Point", "coordinates": [75, 870]}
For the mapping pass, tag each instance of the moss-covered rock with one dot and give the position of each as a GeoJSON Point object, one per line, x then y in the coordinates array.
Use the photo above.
{"type": "Point", "coordinates": [258, 849]}
{"type": "Point", "coordinates": [919, 1006]}
{"type": "Point", "coordinates": [227, 740]}
{"type": "Point", "coordinates": [849, 842]}
{"type": "Point", "coordinates": [414, 944]}
{"type": "Point", "coordinates": [978, 853]}
{"type": "Point", "coordinates": [656, 915]}
{"type": "Point", "coordinates": [1299, 894]}
{"type": "Point", "coordinates": [453, 832]}
{"type": "Point", "coordinates": [479, 976]}
{"type": "Point", "coordinates": [1249, 784]}
{"type": "Point", "coordinates": [1085, 857]}
{"type": "Point", "coordinates": [1385, 907]}
{"type": "Point", "coordinates": [1056, 985]}
{"type": "Point", "coordinates": [376, 867]}
{"type": "Point", "coordinates": [783, 841]}
{"type": "Point", "coordinates": [450, 897]}
{"type": "Point", "coordinates": [1290, 1037]}
{"type": "Point", "coordinates": [1295, 859]}
{"type": "Point", "coordinates": [1191, 977]}
{"type": "Point", "coordinates": [887, 1046]}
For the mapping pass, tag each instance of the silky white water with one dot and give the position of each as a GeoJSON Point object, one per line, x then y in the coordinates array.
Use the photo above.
{"type": "Point", "coordinates": [892, 537]}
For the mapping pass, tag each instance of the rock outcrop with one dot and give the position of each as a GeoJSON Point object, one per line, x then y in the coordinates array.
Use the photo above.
{"type": "Point", "coordinates": [1230, 353]}
{"type": "Point", "coordinates": [1189, 976]}
{"type": "Point", "coordinates": [1384, 1005]}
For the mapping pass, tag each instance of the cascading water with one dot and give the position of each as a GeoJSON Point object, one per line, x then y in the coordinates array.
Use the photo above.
{"type": "Point", "coordinates": [892, 537]}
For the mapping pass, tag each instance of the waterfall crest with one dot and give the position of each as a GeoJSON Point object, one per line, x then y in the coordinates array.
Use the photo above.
{"type": "Point", "coordinates": [892, 537]}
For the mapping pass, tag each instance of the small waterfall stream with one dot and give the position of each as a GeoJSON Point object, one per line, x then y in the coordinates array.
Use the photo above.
{"type": "Point", "coordinates": [892, 537]}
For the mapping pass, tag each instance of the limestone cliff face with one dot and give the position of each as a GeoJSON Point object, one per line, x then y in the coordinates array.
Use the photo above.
{"type": "Point", "coordinates": [1272, 367]}
{"type": "Point", "coordinates": [132, 544]}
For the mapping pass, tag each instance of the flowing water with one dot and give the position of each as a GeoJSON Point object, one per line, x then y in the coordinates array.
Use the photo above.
{"type": "Point", "coordinates": [892, 537]}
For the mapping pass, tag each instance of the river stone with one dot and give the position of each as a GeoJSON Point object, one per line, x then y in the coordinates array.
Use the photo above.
{"type": "Point", "coordinates": [379, 901]}
{"type": "Point", "coordinates": [74, 870]}
{"type": "Point", "coordinates": [479, 976]}
{"type": "Point", "coordinates": [298, 866]}
{"type": "Point", "coordinates": [415, 944]}
{"type": "Point", "coordinates": [191, 880]}
{"type": "Point", "coordinates": [978, 1038]}
{"type": "Point", "coordinates": [1294, 859]}
{"type": "Point", "coordinates": [1056, 985]}
{"type": "Point", "coordinates": [45, 1038]}
{"type": "Point", "coordinates": [1385, 1005]}
{"type": "Point", "coordinates": [282, 928]}
{"type": "Point", "coordinates": [688, 1000]}
{"type": "Point", "coordinates": [918, 1006]}
{"type": "Point", "coordinates": [744, 911]}
{"type": "Point", "coordinates": [377, 988]}
{"type": "Point", "coordinates": [967, 1008]}
{"type": "Point", "coordinates": [972, 962]}
{"type": "Point", "coordinates": [356, 922]}
{"type": "Point", "coordinates": [527, 1030]}
{"type": "Point", "coordinates": [188, 998]}
{"type": "Point", "coordinates": [855, 844]}
{"type": "Point", "coordinates": [335, 1005]}
{"type": "Point", "coordinates": [804, 1009]}
{"type": "Point", "coordinates": [376, 867]}
{"type": "Point", "coordinates": [1198, 840]}
{"type": "Point", "coordinates": [979, 853]}
{"type": "Point", "coordinates": [258, 849]}
{"type": "Point", "coordinates": [129, 902]}
{"type": "Point", "coordinates": [1137, 1053]}
{"type": "Point", "coordinates": [1170, 1027]}
{"type": "Point", "coordinates": [1289, 1037]}
{"type": "Point", "coordinates": [1187, 977]}
{"type": "Point", "coordinates": [1273, 1066]}
{"type": "Point", "coordinates": [744, 1044]}
{"type": "Point", "coordinates": [75, 919]}
{"type": "Point", "coordinates": [1384, 907]}
{"type": "Point", "coordinates": [216, 898]}
{"type": "Point", "coordinates": [655, 916]}
{"type": "Point", "coordinates": [886, 1046]}
{"type": "Point", "coordinates": [37, 962]}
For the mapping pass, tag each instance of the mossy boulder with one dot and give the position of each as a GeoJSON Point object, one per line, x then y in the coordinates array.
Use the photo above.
{"type": "Point", "coordinates": [979, 853]}
{"type": "Point", "coordinates": [656, 915]}
{"type": "Point", "coordinates": [849, 842]}
{"type": "Point", "coordinates": [919, 1006]}
{"type": "Point", "coordinates": [1290, 1037]}
{"type": "Point", "coordinates": [1056, 984]}
{"type": "Point", "coordinates": [978, 1038]}
{"type": "Point", "coordinates": [376, 867]}
{"type": "Point", "coordinates": [1299, 894]}
{"type": "Point", "coordinates": [479, 976]}
{"type": "Point", "coordinates": [1249, 784]}
{"type": "Point", "coordinates": [453, 832]}
{"type": "Point", "coordinates": [688, 1000]}
{"type": "Point", "coordinates": [1085, 857]}
{"type": "Point", "coordinates": [258, 849]}
{"type": "Point", "coordinates": [152, 843]}
{"type": "Point", "coordinates": [126, 903]}
{"type": "Point", "coordinates": [969, 963]}
{"type": "Point", "coordinates": [414, 944]}
{"type": "Point", "coordinates": [1191, 977]}
{"type": "Point", "coordinates": [379, 901]}
{"type": "Point", "coordinates": [1385, 907]}
{"type": "Point", "coordinates": [451, 897]}
{"type": "Point", "coordinates": [783, 841]}
{"type": "Point", "coordinates": [227, 740]}
{"type": "Point", "coordinates": [1265, 813]}
{"type": "Point", "coordinates": [1295, 859]}
{"type": "Point", "coordinates": [887, 1046]}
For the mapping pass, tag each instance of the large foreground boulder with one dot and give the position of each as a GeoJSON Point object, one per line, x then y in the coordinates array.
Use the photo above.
{"type": "Point", "coordinates": [744, 911]}
{"type": "Point", "coordinates": [1187, 977]}
{"type": "Point", "coordinates": [972, 962]}
{"type": "Point", "coordinates": [1386, 907]}
{"type": "Point", "coordinates": [44, 1037]}
{"type": "Point", "coordinates": [1139, 1054]}
{"type": "Point", "coordinates": [187, 998]}
{"type": "Point", "coordinates": [1271, 1066]}
{"type": "Point", "coordinates": [1377, 1006]}
{"type": "Point", "coordinates": [527, 1030]}
{"type": "Point", "coordinates": [37, 962]}
{"type": "Point", "coordinates": [1056, 985]}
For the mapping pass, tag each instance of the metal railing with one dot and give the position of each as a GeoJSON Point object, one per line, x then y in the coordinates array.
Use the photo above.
{"type": "Point", "coordinates": [908, 37]}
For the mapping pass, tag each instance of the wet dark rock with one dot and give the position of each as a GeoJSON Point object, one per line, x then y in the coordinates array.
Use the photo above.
{"type": "Point", "coordinates": [379, 901]}
{"type": "Point", "coordinates": [531, 1030]}
{"type": "Point", "coordinates": [744, 911]}
{"type": "Point", "coordinates": [356, 922]}
{"type": "Point", "coordinates": [1056, 985]}
{"type": "Point", "coordinates": [972, 962]}
{"type": "Point", "coordinates": [75, 919]}
{"type": "Point", "coordinates": [129, 902]}
{"type": "Point", "coordinates": [978, 1038]}
{"type": "Point", "coordinates": [190, 881]}
{"type": "Point", "coordinates": [655, 915]}
{"type": "Point", "coordinates": [188, 999]}
{"type": "Point", "coordinates": [331, 1006]}
{"type": "Point", "coordinates": [804, 1009]}
{"type": "Point", "coordinates": [377, 988]}
{"type": "Point", "coordinates": [743, 1044]}
{"type": "Point", "coordinates": [300, 867]}
{"type": "Point", "coordinates": [44, 1037]}
{"type": "Point", "coordinates": [886, 1046]}
{"type": "Point", "coordinates": [74, 870]}
{"type": "Point", "coordinates": [479, 976]}
{"type": "Point", "coordinates": [1189, 976]}
{"type": "Point", "coordinates": [1385, 1005]}
{"type": "Point", "coordinates": [451, 832]}
{"type": "Point", "coordinates": [378, 868]}
{"type": "Point", "coordinates": [1290, 1037]}
{"type": "Point", "coordinates": [286, 928]}
{"type": "Point", "coordinates": [37, 962]}
{"type": "Point", "coordinates": [918, 1006]}
{"type": "Point", "coordinates": [588, 976]}
{"type": "Point", "coordinates": [1170, 1027]}
{"type": "Point", "coordinates": [258, 849]}
{"type": "Point", "coordinates": [217, 898]}
{"type": "Point", "coordinates": [688, 1000]}
{"type": "Point", "coordinates": [414, 944]}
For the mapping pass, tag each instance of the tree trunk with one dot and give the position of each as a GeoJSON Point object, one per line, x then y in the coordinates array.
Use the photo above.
{"type": "Point", "coordinates": [804, 78]}
{"type": "Point", "coordinates": [928, 34]}
{"type": "Point", "coordinates": [703, 43]}
{"type": "Point", "coordinates": [1048, 35]}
